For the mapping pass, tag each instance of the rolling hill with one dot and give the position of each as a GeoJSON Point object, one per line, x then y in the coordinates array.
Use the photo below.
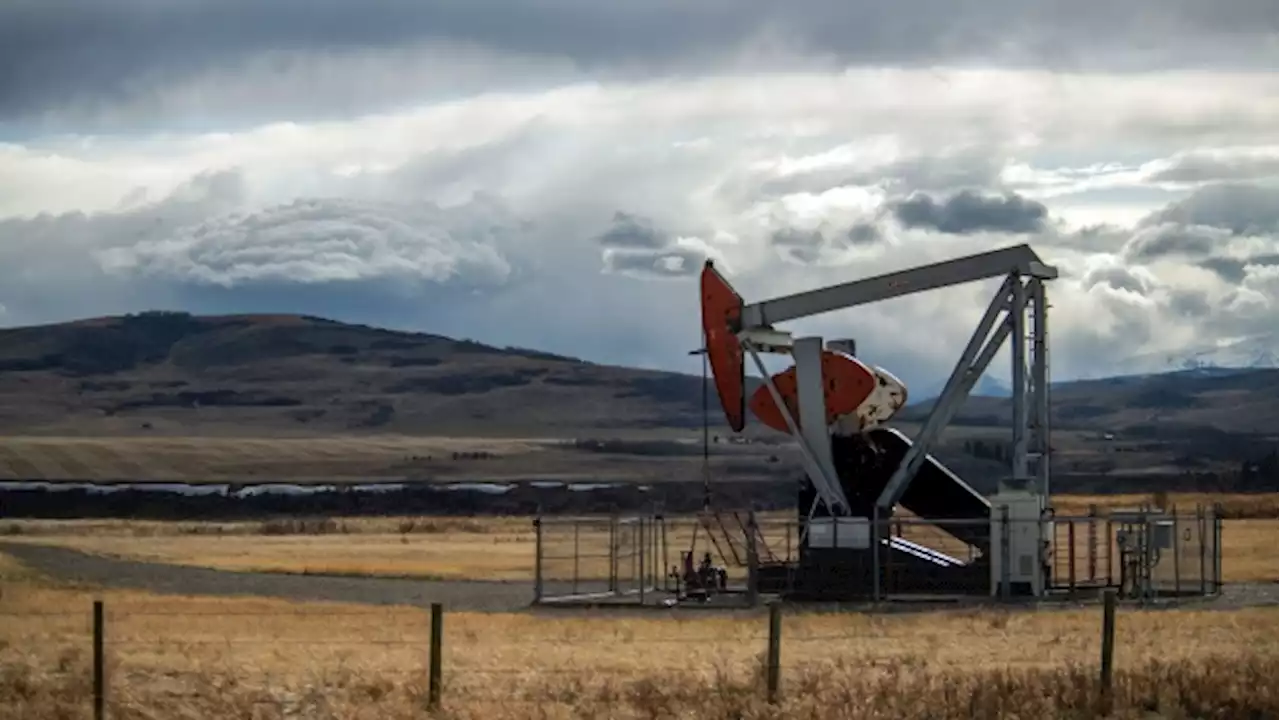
{"type": "Point", "coordinates": [174, 373]}
{"type": "Point", "coordinates": [164, 395]}
{"type": "Point", "coordinates": [1223, 400]}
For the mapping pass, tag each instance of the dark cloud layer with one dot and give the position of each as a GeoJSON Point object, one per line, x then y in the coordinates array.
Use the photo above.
{"type": "Point", "coordinates": [915, 173]}
{"type": "Point", "coordinates": [1205, 226]}
{"type": "Point", "coordinates": [634, 246]}
{"type": "Point", "coordinates": [1173, 239]}
{"type": "Point", "coordinates": [675, 262]}
{"type": "Point", "coordinates": [1199, 167]}
{"type": "Point", "coordinates": [1233, 269]}
{"type": "Point", "coordinates": [61, 52]}
{"type": "Point", "coordinates": [630, 231]}
{"type": "Point", "coordinates": [809, 247]}
{"type": "Point", "coordinates": [968, 212]}
{"type": "Point", "coordinates": [1241, 209]}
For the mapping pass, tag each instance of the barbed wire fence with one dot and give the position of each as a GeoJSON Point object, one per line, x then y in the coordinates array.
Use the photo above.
{"type": "Point", "coordinates": [146, 653]}
{"type": "Point", "coordinates": [136, 656]}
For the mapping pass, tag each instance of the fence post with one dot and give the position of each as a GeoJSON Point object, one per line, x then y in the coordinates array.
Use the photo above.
{"type": "Point", "coordinates": [875, 553]}
{"type": "Point", "coordinates": [576, 524]}
{"type": "Point", "coordinates": [643, 568]}
{"type": "Point", "coordinates": [1108, 646]}
{"type": "Point", "coordinates": [1004, 552]}
{"type": "Point", "coordinates": [1092, 542]}
{"type": "Point", "coordinates": [99, 662]}
{"type": "Point", "coordinates": [537, 560]}
{"type": "Point", "coordinates": [613, 553]}
{"type": "Point", "coordinates": [774, 660]}
{"type": "Point", "coordinates": [1177, 552]}
{"type": "Point", "coordinates": [1217, 548]}
{"type": "Point", "coordinates": [1071, 558]}
{"type": "Point", "coordinates": [1200, 540]}
{"type": "Point", "coordinates": [753, 562]}
{"type": "Point", "coordinates": [437, 643]}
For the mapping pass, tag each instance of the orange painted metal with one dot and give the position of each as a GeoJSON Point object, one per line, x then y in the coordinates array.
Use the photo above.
{"type": "Point", "coordinates": [721, 317]}
{"type": "Point", "coordinates": [846, 384]}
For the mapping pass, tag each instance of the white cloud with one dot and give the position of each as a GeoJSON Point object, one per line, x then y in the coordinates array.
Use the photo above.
{"type": "Point", "coordinates": [495, 204]}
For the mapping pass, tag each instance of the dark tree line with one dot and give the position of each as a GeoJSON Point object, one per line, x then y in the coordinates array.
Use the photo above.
{"type": "Point", "coordinates": [1259, 473]}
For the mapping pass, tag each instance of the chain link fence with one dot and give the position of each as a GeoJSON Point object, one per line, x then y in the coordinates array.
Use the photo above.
{"type": "Point", "coordinates": [739, 556]}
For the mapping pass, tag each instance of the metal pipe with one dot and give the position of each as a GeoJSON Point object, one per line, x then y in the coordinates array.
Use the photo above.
{"type": "Point", "coordinates": [537, 560]}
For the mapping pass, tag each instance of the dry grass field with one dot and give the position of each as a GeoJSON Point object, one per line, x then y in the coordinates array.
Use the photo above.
{"type": "Point", "coordinates": [176, 657]}
{"type": "Point", "coordinates": [225, 454]}
{"type": "Point", "coordinates": [503, 548]}
{"type": "Point", "coordinates": [219, 459]}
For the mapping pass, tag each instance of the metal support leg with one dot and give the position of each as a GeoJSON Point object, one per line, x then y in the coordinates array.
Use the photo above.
{"type": "Point", "coordinates": [1018, 352]}
{"type": "Point", "coordinates": [828, 489]}
{"type": "Point", "coordinates": [1040, 384]}
{"type": "Point", "coordinates": [973, 361]}
{"type": "Point", "coordinates": [807, 352]}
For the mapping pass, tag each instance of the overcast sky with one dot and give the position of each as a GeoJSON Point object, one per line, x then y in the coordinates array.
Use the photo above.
{"type": "Point", "coordinates": [552, 173]}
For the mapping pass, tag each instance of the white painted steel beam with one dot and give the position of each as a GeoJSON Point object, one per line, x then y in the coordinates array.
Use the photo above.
{"type": "Point", "coordinates": [1020, 259]}
{"type": "Point", "coordinates": [827, 486]}
{"type": "Point", "coordinates": [813, 404]}
{"type": "Point", "coordinates": [1018, 354]}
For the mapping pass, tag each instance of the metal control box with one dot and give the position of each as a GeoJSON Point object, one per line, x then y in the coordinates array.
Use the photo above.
{"type": "Point", "coordinates": [1018, 539]}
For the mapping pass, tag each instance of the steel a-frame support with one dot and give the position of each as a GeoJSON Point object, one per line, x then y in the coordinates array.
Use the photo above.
{"type": "Point", "coordinates": [1030, 451]}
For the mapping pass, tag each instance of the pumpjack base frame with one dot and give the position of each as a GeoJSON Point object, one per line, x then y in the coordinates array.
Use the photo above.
{"type": "Point", "coordinates": [845, 574]}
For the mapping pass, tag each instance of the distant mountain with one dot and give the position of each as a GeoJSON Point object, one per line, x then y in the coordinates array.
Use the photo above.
{"type": "Point", "coordinates": [986, 386]}
{"type": "Point", "coordinates": [1261, 351]}
{"type": "Point", "coordinates": [1241, 400]}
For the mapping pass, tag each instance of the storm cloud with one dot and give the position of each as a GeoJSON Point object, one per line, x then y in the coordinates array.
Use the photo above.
{"type": "Point", "coordinates": [968, 212]}
{"type": "Point", "coordinates": [629, 231]}
{"type": "Point", "coordinates": [553, 173]}
{"type": "Point", "coordinates": [1164, 240]}
{"type": "Point", "coordinates": [85, 57]}
{"type": "Point", "coordinates": [1198, 167]}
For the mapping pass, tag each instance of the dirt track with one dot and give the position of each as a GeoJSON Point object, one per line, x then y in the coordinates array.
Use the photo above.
{"type": "Point", "coordinates": [474, 595]}
{"type": "Point", "coordinates": [76, 566]}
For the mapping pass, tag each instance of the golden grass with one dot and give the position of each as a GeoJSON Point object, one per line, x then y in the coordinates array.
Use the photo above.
{"type": "Point", "coordinates": [256, 658]}
{"type": "Point", "coordinates": [1233, 505]}
{"type": "Point", "coordinates": [503, 548]}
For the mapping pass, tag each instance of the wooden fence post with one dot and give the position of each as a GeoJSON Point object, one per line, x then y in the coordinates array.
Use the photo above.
{"type": "Point", "coordinates": [537, 559]}
{"type": "Point", "coordinates": [753, 562]}
{"type": "Point", "coordinates": [437, 642]}
{"type": "Point", "coordinates": [1108, 646]}
{"type": "Point", "coordinates": [99, 662]}
{"type": "Point", "coordinates": [773, 662]}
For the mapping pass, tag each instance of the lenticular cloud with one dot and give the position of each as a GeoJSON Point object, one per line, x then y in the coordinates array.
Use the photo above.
{"type": "Point", "coordinates": [327, 240]}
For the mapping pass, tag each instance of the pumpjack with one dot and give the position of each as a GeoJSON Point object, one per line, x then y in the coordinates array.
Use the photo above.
{"type": "Point", "coordinates": [858, 470]}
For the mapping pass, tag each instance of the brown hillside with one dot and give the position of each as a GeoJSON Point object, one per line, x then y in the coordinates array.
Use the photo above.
{"type": "Point", "coordinates": [175, 373]}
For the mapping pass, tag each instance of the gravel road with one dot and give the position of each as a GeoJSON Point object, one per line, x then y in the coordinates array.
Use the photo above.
{"type": "Point", "coordinates": [474, 595]}
{"type": "Point", "coordinates": [73, 565]}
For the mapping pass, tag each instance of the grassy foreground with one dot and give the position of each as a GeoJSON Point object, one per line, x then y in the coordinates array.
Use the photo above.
{"type": "Point", "coordinates": [253, 658]}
